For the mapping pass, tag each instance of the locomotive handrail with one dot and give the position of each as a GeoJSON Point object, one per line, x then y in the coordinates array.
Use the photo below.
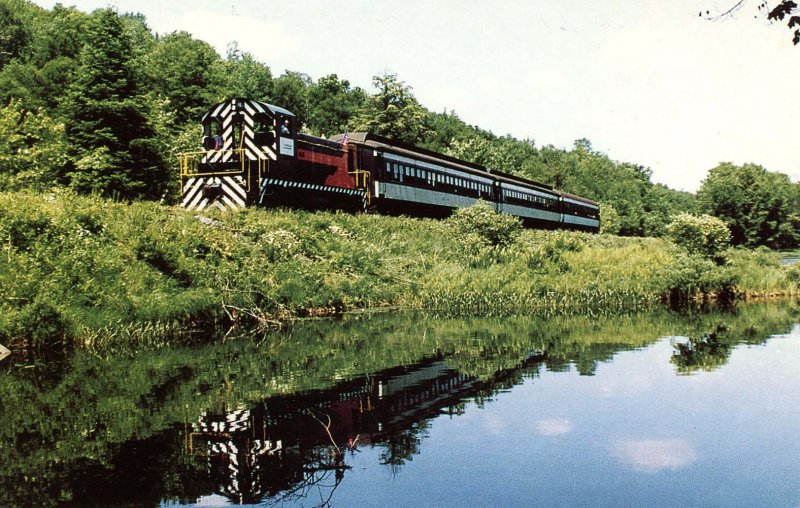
{"type": "Point", "coordinates": [189, 162]}
{"type": "Point", "coordinates": [365, 177]}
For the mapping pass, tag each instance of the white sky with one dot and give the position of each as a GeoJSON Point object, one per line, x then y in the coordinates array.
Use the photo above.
{"type": "Point", "coordinates": [646, 81]}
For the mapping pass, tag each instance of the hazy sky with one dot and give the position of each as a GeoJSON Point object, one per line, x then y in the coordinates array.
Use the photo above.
{"type": "Point", "coordinates": [646, 81]}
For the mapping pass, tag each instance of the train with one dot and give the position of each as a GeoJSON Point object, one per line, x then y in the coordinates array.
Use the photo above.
{"type": "Point", "coordinates": [253, 154]}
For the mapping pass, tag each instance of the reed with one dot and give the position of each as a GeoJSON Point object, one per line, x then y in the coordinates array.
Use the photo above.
{"type": "Point", "coordinates": [82, 270]}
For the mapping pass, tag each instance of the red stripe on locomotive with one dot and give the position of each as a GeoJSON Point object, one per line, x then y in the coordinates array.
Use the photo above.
{"type": "Point", "coordinates": [340, 177]}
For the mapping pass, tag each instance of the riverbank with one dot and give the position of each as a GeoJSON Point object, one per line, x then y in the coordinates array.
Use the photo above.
{"type": "Point", "coordinates": [85, 270]}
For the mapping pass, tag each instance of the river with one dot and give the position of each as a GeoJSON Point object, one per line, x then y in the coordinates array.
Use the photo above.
{"type": "Point", "coordinates": [661, 409]}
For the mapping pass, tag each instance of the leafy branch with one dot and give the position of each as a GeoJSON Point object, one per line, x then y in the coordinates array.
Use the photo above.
{"type": "Point", "coordinates": [786, 8]}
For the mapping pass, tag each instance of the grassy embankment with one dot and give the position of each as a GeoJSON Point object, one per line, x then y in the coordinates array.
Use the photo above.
{"type": "Point", "coordinates": [79, 269]}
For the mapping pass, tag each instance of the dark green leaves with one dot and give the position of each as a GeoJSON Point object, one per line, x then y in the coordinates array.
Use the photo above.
{"type": "Point", "coordinates": [106, 126]}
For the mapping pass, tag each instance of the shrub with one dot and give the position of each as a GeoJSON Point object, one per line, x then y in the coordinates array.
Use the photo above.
{"type": "Point", "coordinates": [485, 224]}
{"type": "Point", "coordinates": [610, 222]}
{"type": "Point", "coordinates": [691, 276]}
{"type": "Point", "coordinates": [704, 235]}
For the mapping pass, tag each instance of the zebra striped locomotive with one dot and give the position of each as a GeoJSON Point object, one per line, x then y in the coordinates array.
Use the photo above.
{"type": "Point", "coordinates": [253, 154]}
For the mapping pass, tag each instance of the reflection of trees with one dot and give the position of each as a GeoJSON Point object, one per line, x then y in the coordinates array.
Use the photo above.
{"type": "Point", "coordinates": [711, 350]}
{"type": "Point", "coordinates": [402, 444]}
{"type": "Point", "coordinates": [745, 325]}
{"type": "Point", "coordinates": [707, 353]}
{"type": "Point", "coordinates": [78, 421]}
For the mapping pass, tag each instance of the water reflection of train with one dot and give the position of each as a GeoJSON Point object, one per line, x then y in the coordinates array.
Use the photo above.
{"type": "Point", "coordinates": [288, 443]}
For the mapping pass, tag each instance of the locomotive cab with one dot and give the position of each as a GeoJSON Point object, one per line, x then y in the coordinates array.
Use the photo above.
{"type": "Point", "coordinates": [239, 144]}
{"type": "Point", "coordinates": [212, 134]}
{"type": "Point", "coordinates": [286, 132]}
{"type": "Point", "coordinates": [264, 131]}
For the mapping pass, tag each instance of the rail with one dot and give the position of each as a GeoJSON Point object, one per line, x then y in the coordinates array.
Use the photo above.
{"type": "Point", "coordinates": [361, 178]}
{"type": "Point", "coordinates": [189, 162]}
{"type": "Point", "coordinates": [230, 162]}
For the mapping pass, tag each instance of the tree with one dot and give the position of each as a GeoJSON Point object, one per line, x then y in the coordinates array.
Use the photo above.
{"type": "Point", "coordinates": [609, 219]}
{"type": "Point", "coordinates": [660, 203]}
{"type": "Point", "coordinates": [478, 150]}
{"type": "Point", "coordinates": [785, 9]}
{"type": "Point", "coordinates": [592, 174]}
{"type": "Point", "coordinates": [111, 143]}
{"type": "Point", "coordinates": [244, 76]}
{"type": "Point", "coordinates": [759, 207]}
{"type": "Point", "coordinates": [37, 86]}
{"type": "Point", "coordinates": [393, 111]}
{"type": "Point", "coordinates": [32, 148]}
{"type": "Point", "coordinates": [333, 104]}
{"type": "Point", "coordinates": [290, 91]}
{"type": "Point", "coordinates": [43, 71]}
{"type": "Point", "coordinates": [187, 72]}
{"type": "Point", "coordinates": [442, 128]}
{"type": "Point", "coordinates": [58, 34]}
{"type": "Point", "coordinates": [142, 39]}
{"type": "Point", "coordinates": [14, 35]}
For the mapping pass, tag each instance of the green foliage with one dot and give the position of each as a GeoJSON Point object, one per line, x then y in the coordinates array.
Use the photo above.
{"type": "Point", "coordinates": [640, 208]}
{"type": "Point", "coordinates": [759, 207]}
{"type": "Point", "coordinates": [333, 104]}
{"type": "Point", "coordinates": [32, 149]}
{"type": "Point", "coordinates": [14, 35]}
{"type": "Point", "coordinates": [110, 138]}
{"type": "Point", "coordinates": [704, 235]}
{"type": "Point", "coordinates": [42, 72]}
{"type": "Point", "coordinates": [393, 111]}
{"type": "Point", "coordinates": [38, 87]}
{"type": "Point", "coordinates": [691, 276]}
{"type": "Point", "coordinates": [502, 154]}
{"type": "Point", "coordinates": [74, 267]}
{"type": "Point", "coordinates": [290, 91]}
{"type": "Point", "coordinates": [143, 41]}
{"type": "Point", "coordinates": [609, 219]}
{"type": "Point", "coordinates": [187, 72]}
{"type": "Point", "coordinates": [441, 129]}
{"type": "Point", "coordinates": [245, 76]}
{"type": "Point", "coordinates": [57, 34]}
{"type": "Point", "coordinates": [158, 86]}
{"type": "Point", "coordinates": [482, 224]}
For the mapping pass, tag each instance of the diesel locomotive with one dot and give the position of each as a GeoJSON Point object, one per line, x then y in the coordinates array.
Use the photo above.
{"type": "Point", "coordinates": [254, 154]}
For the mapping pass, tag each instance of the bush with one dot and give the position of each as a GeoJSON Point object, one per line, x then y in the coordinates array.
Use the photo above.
{"type": "Point", "coordinates": [690, 276]}
{"type": "Point", "coordinates": [610, 222]}
{"type": "Point", "coordinates": [485, 224]}
{"type": "Point", "coordinates": [704, 235]}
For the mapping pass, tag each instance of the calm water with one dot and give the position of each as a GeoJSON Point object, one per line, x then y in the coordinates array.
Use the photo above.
{"type": "Point", "coordinates": [657, 410]}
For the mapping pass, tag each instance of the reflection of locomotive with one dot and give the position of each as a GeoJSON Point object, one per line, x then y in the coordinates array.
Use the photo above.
{"type": "Point", "coordinates": [253, 154]}
{"type": "Point", "coordinates": [285, 444]}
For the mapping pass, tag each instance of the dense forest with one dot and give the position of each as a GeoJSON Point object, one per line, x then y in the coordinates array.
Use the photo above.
{"type": "Point", "coordinates": [98, 103]}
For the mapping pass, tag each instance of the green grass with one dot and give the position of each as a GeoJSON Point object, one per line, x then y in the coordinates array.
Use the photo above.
{"type": "Point", "coordinates": [85, 270]}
